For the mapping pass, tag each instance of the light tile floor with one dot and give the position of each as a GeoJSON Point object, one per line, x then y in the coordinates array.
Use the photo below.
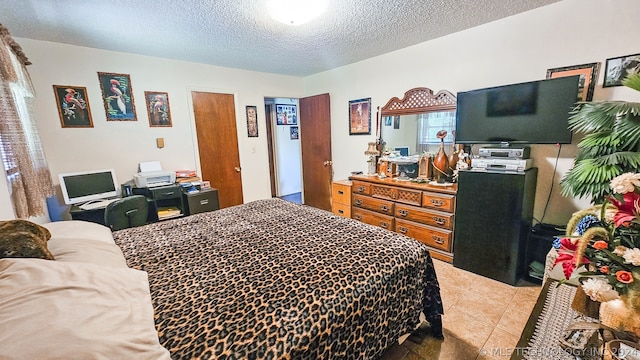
{"type": "Point", "coordinates": [483, 319]}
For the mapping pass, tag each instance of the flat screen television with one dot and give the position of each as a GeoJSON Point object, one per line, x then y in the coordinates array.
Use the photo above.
{"type": "Point", "coordinates": [535, 112]}
{"type": "Point", "coordinates": [84, 186]}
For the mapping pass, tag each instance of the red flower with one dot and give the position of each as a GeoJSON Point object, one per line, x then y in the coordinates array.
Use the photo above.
{"type": "Point", "coordinates": [626, 208]}
{"type": "Point", "coordinates": [624, 277]}
{"type": "Point", "coordinates": [604, 269]}
{"type": "Point", "coordinates": [566, 257]}
{"type": "Point", "coordinates": [600, 245]}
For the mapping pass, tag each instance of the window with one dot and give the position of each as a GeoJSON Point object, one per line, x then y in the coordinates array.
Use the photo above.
{"type": "Point", "coordinates": [430, 123]}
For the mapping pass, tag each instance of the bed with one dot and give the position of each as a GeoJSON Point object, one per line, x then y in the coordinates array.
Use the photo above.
{"type": "Point", "coordinates": [275, 280]}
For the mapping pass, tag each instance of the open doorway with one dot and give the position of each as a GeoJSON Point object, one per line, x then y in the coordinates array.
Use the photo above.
{"type": "Point", "coordinates": [285, 155]}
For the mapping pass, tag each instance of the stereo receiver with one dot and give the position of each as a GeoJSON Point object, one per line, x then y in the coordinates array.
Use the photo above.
{"type": "Point", "coordinates": [510, 165]}
{"type": "Point", "coordinates": [504, 152]}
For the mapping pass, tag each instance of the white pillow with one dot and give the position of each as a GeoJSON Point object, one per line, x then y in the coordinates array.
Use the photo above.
{"type": "Point", "coordinates": [87, 251]}
{"type": "Point", "coordinates": [78, 229]}
{"type": "Point", "coordinates": [64, 310]}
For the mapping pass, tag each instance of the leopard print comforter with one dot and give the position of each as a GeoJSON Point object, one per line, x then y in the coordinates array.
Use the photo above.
{"type": "Point", "coordinates": [275, 280]}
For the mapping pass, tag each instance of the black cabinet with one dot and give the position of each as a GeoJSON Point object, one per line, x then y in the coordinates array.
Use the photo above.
{"type": "Point", "coordinates": [201, 201]}
{"type": "Point", "coordinates": [539, 242]}
{"type": "Point", "coordinates": [165, 202]}
{"type": "Point", "coordinates": [493, 218]}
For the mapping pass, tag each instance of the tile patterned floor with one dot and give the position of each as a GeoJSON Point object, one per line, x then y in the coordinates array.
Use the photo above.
{"type": "Point", "coordinates": [483, 319]}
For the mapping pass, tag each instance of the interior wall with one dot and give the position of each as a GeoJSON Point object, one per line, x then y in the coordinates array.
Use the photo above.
{"type": "Point", "coordinates": [123, 144]}
{"type": "Point", "coordinates": [288, 154]}
{"type": "Point", "coordinates": [516, 49]}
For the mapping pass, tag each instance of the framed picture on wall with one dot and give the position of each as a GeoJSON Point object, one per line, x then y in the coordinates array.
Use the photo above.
{"type": "Point", "coordinates": [117, 96]}
{"type": "Point", "coordinates": [286, 114]}
{"type": "Point", "coordinates": [360, 117]}
{"type": "Point", "coordinates": [387, 120]}
{"type": "Point", "coordinates": [252, 121]}
{"type": "Point", "coordinates": [618, 68]}
{"type": "Point", "coordinates": [294, 132]}
{"type": "Point", "coordinates": [73, 106]}
{"type": "Point", "coordinates": [588, 77]}
{"type": "Point", "coordinates": [158, 108]}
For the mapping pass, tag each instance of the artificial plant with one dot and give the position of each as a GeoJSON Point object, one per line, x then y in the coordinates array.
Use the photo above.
{"type": "Point", "coordinates": [610, 147]}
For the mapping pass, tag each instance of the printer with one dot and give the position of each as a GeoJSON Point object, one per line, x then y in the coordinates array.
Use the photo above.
{"type": "Point", "coordinates": [151, 175]}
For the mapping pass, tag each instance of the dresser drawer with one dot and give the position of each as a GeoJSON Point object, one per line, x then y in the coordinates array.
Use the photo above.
{"type": "Point", "coordinates": [166, 192]}
{"type": "Point", "coordinates": [431, 236]}
{"type": "Point", "coordinates": [406, 196]}
{"type": "Point", "coordinates": [442, 202]}
{"type": "Point", "coordinates": [341, 193]}
{"type": "Point", "coordinates": [360, 187]}
{"type": "Point", "coordinates": [372, 218]}
{"type": "Point", "coordinates": [373, 204]}
{"type": "Point", "coordinates": [341, 209]}
{"type": "Point", "coordinates": [425, 216]}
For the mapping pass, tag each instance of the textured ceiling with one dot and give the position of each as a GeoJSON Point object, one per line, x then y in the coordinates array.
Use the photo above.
{"type": "Point", "coordinates": [239, 34]}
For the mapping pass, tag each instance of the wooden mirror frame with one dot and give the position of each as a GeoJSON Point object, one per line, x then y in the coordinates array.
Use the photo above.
{"type": "Point", "coordinates": [419, 100]}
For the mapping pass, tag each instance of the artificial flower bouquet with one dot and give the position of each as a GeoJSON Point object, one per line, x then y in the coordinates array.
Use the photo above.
{"type": "Point", "coordinates": [605, 239]}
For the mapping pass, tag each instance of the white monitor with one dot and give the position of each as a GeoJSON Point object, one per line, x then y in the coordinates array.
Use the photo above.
{"type": "Point", "coordinates": [403, 150]}
{"type": "Point", "coordinates": [83, 186]}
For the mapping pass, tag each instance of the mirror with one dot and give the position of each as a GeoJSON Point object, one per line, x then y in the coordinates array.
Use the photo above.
{"type": "Point", "coordinates": [422, 113]}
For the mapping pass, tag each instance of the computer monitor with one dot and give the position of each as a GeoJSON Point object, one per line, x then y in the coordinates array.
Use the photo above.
{"type": "Point", "coordinates": [403, 150]}
{"type": "Point", "coordinates": [83, 186]}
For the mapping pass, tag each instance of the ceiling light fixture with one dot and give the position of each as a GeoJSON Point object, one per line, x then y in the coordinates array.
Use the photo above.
{"type": "Point", "coordinates": [295, 12]}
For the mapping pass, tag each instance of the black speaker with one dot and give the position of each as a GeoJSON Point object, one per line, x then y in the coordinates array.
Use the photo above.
{"type": "Point", "coordinates": [494, 211]}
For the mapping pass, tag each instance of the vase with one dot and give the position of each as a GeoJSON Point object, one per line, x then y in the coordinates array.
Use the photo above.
{"type": "Point", "coordinates": [453, 159]}
{"type": "Point", "coordinates": [620, 315]}
{"type": "Point", "coordinates": [441, 164]}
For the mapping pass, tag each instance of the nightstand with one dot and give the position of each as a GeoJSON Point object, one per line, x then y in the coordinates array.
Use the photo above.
{"type": "Point", "coordinates": [341, 198]}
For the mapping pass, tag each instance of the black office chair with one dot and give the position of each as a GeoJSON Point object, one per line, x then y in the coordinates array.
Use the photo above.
{"type": "Point", "coordinates": [127, 212]}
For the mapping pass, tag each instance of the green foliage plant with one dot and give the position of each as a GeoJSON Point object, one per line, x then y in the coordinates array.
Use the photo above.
{"type": "Point", "coordinates": [610, 146]}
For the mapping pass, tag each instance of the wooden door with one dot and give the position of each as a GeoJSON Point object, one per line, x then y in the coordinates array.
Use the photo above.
{"type": "Point", "coordinates": [215, 118]}
{"type": "Point", "coordinates": [315, 141]}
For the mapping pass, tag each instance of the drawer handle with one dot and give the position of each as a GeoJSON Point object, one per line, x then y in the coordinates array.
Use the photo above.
{"type": "Point", "coordinates": [167, 193]}
{"type": "Point", "coordinates": [438, 240]}
{"type": "Point", "coordinates": [439, 220]}
{"type": "Point", "coordinates": [402, 230]}
{"type": "Point", "coordinates": [341, 211]}
{"type": "Point", "coordinates": [384, 208]}
{"type": "Point", "coordinates": [358, 202]}
{"type": "Point", "coordinates": [204, 202]}
{"type": "Point", "coordinates": [403, 212]}
{"type": "Point", "coordinates": [357, 217]}
{"type": "Point", "coordinates": [360, 188]}
{"type": "Point", "coordinates": [394, 196]}
{"type": "Point", "coordinates": [340, 192]}
{"type": "Point", "coordinates": [384, 225]}
{"type": "Point", "coordinates": [437, 202]}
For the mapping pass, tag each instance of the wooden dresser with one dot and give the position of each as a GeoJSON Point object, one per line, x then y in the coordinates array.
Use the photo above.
{"type": "Point", "coordinates": [421, 211]}
{"type": "Point", "coordinates": [341, 198]}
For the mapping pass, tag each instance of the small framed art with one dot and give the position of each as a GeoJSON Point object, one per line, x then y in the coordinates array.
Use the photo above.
{"type": "Point", "coordinates": [618, 68]}
{"type": "Point", "coordinates": [117, 96]}
{"type": "Point", "coordinates": [588, 77]}
{"type": "Point", "coordinates": [286, 114]}
{"type": "Point", "coordinates": [360, 117]}
{"type": "Point", "coordinates": [252, 121]}
{"type": "Point", "coordinates": [158, 108]}
{"type": "Point", "coordinates": [73, 106]}
{"type": "Point", "coordinates": [294, 133]}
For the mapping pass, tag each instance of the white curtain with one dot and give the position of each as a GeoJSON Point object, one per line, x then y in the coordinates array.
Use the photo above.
{"type": "Point", "coordinates": [22, 155]}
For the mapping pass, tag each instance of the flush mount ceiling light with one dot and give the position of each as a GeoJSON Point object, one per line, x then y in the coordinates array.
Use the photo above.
{"type": "Point", "coordinates": [295, 12]}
